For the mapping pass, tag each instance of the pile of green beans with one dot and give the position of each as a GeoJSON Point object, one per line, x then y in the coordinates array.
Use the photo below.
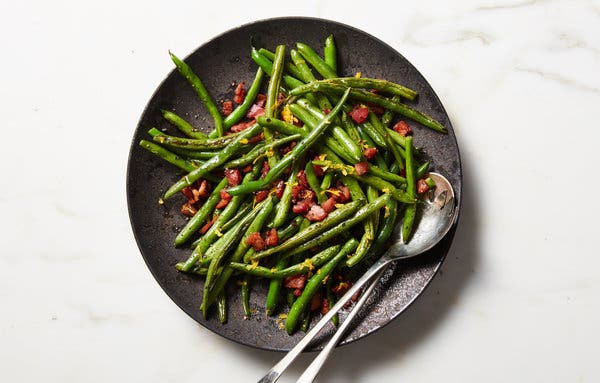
{"type": "Point", "coordinates": [324, 188]}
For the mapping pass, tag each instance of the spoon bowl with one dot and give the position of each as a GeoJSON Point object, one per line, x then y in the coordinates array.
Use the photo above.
{"type": "Point", "coordinates": [436, 217]}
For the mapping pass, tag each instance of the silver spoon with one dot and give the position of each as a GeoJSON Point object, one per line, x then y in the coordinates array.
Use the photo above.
{"type": "Point", "coordinates": [437, 217]}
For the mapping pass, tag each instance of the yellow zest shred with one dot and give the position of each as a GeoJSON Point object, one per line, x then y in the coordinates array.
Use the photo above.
{"type": "Point", "coordinates": [244, 141]}
{"type": "Point", "coordinates": [334, 192]}
{"type": "Point", "coordinates": [273, 269]}
{"type": "Point", "coordinates": [307, 264]}
{"type": "Point", "coordinates": [280, 320]}
{"type": "Point", "coordinates": [270, 152]}
{"type": "Point", "coordinates": [288, 116]}
{"type": "Point", "coordinates": [358, 75]}
{"type": "Point", "coordinates": [218, 232]}
{"type": "Point", "coordinates": [258, 158]}
{"type": "Point", "coordinates": [325, 279]}
{"type": "Point", "coordinates": [387, 211]}
{"type": "Point", "coordinates": [386, 190]}
{"type": "Point", "coordinates": [161, 201]}
{"type": "Point", "coordinates": [254, 264]}
{"type": "Point", "coordinates": [339, 205]}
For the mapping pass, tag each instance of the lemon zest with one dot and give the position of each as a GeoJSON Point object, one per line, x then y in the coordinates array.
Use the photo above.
{"type": "Point", "coordinates": [288, 116]}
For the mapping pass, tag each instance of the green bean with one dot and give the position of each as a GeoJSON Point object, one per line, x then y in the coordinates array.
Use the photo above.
{"type": "Point", "coordinates": [224, 217]}
{"type": "Point", "coordinates": [272, 93]}
{"type": "Point", "coordinates": [386, 175]}
{"type": "Point", "coordinates": [308, 76]}
{"type": "Point", "coordinates": [372, 83]}
{"type": "Point", "coordinates": [330, 53]}
{"type": "Point", "coordinates": [254, 154]}
{"type": "Point", "coordinates": [217, 252]}
{"type": "Point", "coordinates": [400, 140]}
{"type": "Point", "coordinates": [200, 89]}
{"type": "Point", "coordinates": [244, 209]}
{"type": "Point", "coordinates": [372, 195]}
{"type": "Point", "coordinates": [274, 292]}
{"type": "Point", "coordinates": [282, 272]}
{"type": "Point", "coordinates": [313, 284]}
{"type": "Point", "coordinates": [194, 223]}
{"type": "Point", "coordinates": [371, 180]}
{"type": "Point", "coordinates": [374, 135]}
{"type": "Point", "coordinates": [280, 126]}
{"type": "Point", "coordinates": [219, 159]}
{"type": "Point", "coordinates": [290, 67]}
{"type": "Point", "coordinates": [306, 319]}
{"type": "Point", "coordinates": [197, 270]}
{"type": "Point", "coordinates": [240, 111]}
{"type": "Point", "coordinates": [267, 67]}
{"type": "Point", "coordinates": [203, 243]}
{"type": "Point", "coordinates": [326, 182]}
{"type": "Point", "coordinates": [379, 160]}
{"type": "Point", "coordinates": [246, 297]}
{"type": "Point", "coordinates": [305, 74]}
{"type": "Point", "coordinates": [283, 207]}
{"type": "Point", "coordinates": [397, 152]}
{"type": "Point", "coordinates": [264, 208]}
{"type": "Point", "coordinates": [184, 126]}
{"type": "Point", "coordinates": [222, 308]}
{"type": "Point", "coordinates": [430, 182]}
{"type": "Point", "coordinates": [360, 215]}
{"type": "Point", "coordinates": [388, 115]}
{"type": "Point", "coordinates": [313, 230]}
{"type": "Point", "coordinates": [306, 117]}
{"type": "Point", "coordinates": [386, 187]}
{"type": "Point", "coordinates": [185, 165]}
{"type": "Point", "coordinates": [370, 228]}
{"type": "Point", "coordinates": [411, 189]}
{"type": "Point", "coordinates": [192, 154]}
{"type": "Point", "coordinates": [292, 156]}
{"type": "Point", "coordinates": [422, 170]}
{"type": "Point", "coordinates": [386, 230]}
{"type": "Point", "coordinates": [290, 297]}
{"type": "Point", "coordinates": [331, 300]}
{"type": "Point", "coordinates": [394, 167]}
{"type": "Point", "coordinates": [369, 97]}
{"type": "Point", "coordinates": [356, 191]}
{"type": "Point", "coordinates": [192, 143]}
{"type": "Point", "coordinates": [313, 182]}
{"type": "Point", "coordinates": [351, 128]}
{"type": "Point", "coordinates": [313, 58]}
{"type": "Point", "coordinates": [291, 229]}
{"type": "Point", "coordinates": [337, 132]}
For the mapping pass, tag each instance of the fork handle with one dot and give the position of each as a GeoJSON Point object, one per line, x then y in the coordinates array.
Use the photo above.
{"type": "Point", "coordinates": [311, 372]}
{"type": "Point", "coordinates": [275, 372]}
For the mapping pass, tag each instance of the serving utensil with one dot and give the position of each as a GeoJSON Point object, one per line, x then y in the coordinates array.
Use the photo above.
{"type": "Point", "coordinates": [437, 216]}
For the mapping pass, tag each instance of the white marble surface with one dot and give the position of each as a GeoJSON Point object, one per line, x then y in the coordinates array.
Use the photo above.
{"type": "Point", "coordinates": [517, 299]}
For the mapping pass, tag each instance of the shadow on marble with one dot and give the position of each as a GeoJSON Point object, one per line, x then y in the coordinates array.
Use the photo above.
{"type": "Point", "coordinates": [418, 322]}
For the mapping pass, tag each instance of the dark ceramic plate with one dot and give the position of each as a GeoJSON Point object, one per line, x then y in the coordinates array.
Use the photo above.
{"type": "Point", "coordinates": [220, 62]}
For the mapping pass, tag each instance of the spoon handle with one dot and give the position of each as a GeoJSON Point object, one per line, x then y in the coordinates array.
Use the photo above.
{"type": "Point", "coordinates": [275, 372]}
{"type": "Point", "coordinates": [309, 375]}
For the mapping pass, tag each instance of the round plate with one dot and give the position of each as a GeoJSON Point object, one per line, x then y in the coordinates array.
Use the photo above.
{"type": "Point", "coordinates": [220, 62]}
